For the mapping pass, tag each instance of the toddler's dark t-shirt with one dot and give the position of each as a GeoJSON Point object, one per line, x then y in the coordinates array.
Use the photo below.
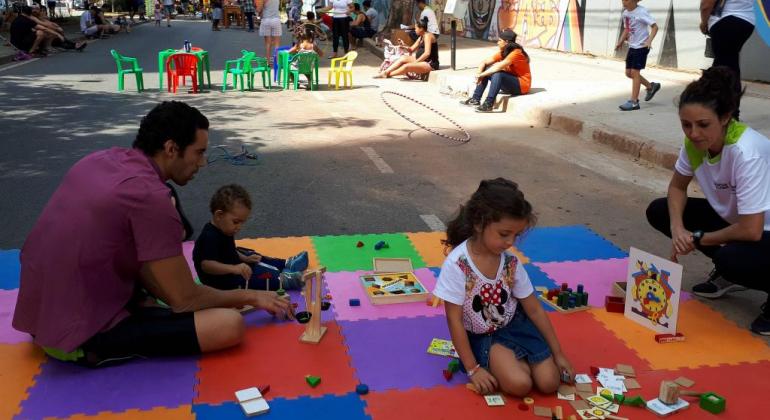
{"type": "Point", "coordinates": [214, 245]}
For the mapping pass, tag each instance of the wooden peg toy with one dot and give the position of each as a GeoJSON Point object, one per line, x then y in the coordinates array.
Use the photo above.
{"type": "Point", "coordinates": [313, 285]}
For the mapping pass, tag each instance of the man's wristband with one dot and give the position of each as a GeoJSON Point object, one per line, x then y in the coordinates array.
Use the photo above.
{"type": "Point", "coordinates": [697, 236]}
{"type": "Point", "coordinates": [473, 371]}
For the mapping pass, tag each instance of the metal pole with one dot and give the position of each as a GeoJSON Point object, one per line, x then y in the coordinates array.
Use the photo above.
{"type": "Point", "coordinates": [454, 41]}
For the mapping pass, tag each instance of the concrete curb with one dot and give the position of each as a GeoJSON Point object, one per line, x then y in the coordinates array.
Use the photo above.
{"type": "Point", "coordinates": [639, 147]}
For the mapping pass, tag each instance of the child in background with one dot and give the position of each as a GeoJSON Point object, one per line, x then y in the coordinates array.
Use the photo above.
{"type": "Point", "coordinates": [306, 44]}
{"type": "Point", "coordinates": [636, 20]}
{"type": "Point", "coordinates": [223, 266]}
{"type": "Point", "coordinates": [158, 14]}
{"type": "Point", "coordinates": [500, 331]}
{"type": "Point", "coordinates": [216, 14]}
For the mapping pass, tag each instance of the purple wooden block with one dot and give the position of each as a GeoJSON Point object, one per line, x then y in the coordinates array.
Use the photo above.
{"type": "Point", "coordinates": [392, 353]}
{"type": "Point", "coordinates": [63, 389]}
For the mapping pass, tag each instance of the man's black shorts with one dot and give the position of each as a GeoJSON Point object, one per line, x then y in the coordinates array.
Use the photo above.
{"type": "Point", "coordinates": [146, 332]}
{"type": "Point", "coordinates": [637, 58]}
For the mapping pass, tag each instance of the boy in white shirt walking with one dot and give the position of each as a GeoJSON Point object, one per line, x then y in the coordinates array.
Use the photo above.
{"type": "Point", "coordinates": [636, 21]}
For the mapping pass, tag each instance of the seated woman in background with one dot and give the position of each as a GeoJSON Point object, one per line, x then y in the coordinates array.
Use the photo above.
{"type": "Point", "coordinates": [507, 69]}
{"type": "Point", "coordinates": [426, 59]}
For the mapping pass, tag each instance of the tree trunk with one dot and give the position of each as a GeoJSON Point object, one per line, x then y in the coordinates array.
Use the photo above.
{"type": "Point", "coordinates": [400, 12]}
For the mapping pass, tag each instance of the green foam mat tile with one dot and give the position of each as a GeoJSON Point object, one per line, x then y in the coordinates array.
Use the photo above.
{"type": "Point", "coordinates": [339, 253]}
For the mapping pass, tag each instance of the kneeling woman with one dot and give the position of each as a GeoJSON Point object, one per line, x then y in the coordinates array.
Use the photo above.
{"type": "Point", "coordinates": [507, 69]}
{"type": "Point", "coordinates": [426, 58]}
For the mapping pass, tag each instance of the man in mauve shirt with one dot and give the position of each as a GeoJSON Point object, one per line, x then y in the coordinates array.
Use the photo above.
{"type": "Point", "coordinates": [110, 240]}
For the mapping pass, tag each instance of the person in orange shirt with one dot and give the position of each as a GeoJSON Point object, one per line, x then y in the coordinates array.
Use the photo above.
{"type": "Point", "coordinates": [507, 69]}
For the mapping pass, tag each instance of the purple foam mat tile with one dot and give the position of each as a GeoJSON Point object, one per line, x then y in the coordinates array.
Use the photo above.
{"type": "Point", "coordinates": [392, 353]}
{"type": "Point", "coordinates": [260, 318]}
{"type": "Point", "coordinates": [8, 335]}
{"type": "Point", "coordinates": [347, 285]}
{"type": "Point", "coordinates": [596, 276]}
{"type": "Point", "coordinates": [63, 389]}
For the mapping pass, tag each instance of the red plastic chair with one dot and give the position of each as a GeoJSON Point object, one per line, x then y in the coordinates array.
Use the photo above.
{"type": "Point", "coordinates": [182, 65]}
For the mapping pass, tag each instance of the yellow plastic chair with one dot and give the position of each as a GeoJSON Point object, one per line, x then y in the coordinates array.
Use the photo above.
{"type": "Point", "coordinates": [342, 66]}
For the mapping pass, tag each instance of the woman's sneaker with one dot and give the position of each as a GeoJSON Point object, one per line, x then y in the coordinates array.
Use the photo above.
{"type": "Point", "coordinates": [761, 325]}
{"type": "Point", "coordinates": [470, 102]}
{"type": "Point", "coordinates": [716, 286]}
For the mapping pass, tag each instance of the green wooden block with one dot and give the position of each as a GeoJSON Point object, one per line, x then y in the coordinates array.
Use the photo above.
{"type": "Point", "coordinates": [313, 380]}
{"type": "Point", "coordinates": [454, 366]}
{"type": "Point", "coordinates": [712, 403]}
{"type": "Point", "coordinates": [340, 253]}
{"type": "Point", "coordinates": [636, 401]}
{"type": "Point", "coordinates": [619, 398]}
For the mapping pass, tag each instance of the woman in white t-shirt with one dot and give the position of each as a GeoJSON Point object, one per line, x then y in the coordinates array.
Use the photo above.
{"type": "Point", "coordinates": [501, 333]}
{"type": "Point", "coordinates": [340, 24]}
{"type": "Point", "coordinates": [731, 163]}
{"type": "Point", "coordinates": [730, 24]}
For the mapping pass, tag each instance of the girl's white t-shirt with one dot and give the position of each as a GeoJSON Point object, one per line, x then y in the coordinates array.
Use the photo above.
{"type": "Point", "coordinates": [637, 22]}
{"type": "Point", "coordinates": [738, 180]}
{"type": "Point", "coordinates": [340, 8]}
{"type": "Point", "coordinates": [488, 304]}
{"type": "Point", "coordinates": [743, 9]}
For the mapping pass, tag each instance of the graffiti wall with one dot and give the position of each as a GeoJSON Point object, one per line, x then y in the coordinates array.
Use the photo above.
{"type": "Point", "coordinates": [593, 26]}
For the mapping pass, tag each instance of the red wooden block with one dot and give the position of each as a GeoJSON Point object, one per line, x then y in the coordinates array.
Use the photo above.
{"type": "Point", "coordinates": [669, 338]}
{"type": "Point", "coordinates": [360, 244]}
{"type": "Point", "coordinates": [615, 304]}
{"type": "Point", "coordinates": [594, 370]}
{"type": "Point", "coordinates": [447, 375]}
{"type": "Point", "coordinates": [264, 389]}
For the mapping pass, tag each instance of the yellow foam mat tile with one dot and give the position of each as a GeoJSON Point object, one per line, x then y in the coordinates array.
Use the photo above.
{"type": "Point", "coordinates": [710, 339]}
{"type": "Point", "coordinates": [19, 363]}
{"type": "Point", "coordinates": [282, 247]}
{"type": "Point", "coordinates": [430, 248]}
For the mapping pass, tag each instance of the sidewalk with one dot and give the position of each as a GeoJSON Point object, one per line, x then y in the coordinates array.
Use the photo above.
{"type": "Point", "coordinates": [579, 95]}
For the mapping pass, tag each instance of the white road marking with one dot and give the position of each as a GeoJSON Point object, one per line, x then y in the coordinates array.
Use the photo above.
{"type": "Point", "coordinates": [20, 63]}
{"type": "Point", "coordinates": [434, 223]}
{"type": "Point", "coordinates": [378, 161]}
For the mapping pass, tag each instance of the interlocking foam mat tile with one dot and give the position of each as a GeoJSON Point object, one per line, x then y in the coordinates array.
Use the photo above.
{"type": "Point", "coordinates": [9, 269]}
{"type": "Point", "coordinates": [386, 347]}
{"type": "Point", "coordinates": [340, 253]}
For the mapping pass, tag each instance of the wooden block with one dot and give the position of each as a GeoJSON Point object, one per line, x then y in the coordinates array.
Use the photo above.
{"type": "Point", "coordinates": [558, 412]}
{"type": "Point", "coordinates": [543, 411]}
{"type": "Point", "coordinates": [669, 392]}
{"type": "Point", "coordinates": [685, 382]}
{"type": "Point", "coordinates": [584, 388]}
{"type": "Point", "coordinates": [579, 405]}
{"type": "Point", "coordinates": [565, 389]}
{"type": "Point", "coordinates": [494, 400]}
{"type": "Point", "coordinates": [625, 370]}
{"type": "Point", "coordinates": [631, 383]}
{"type": "Point", "coordinates": [255, 407]}
{"type": "Point", "coordinates": [542, 294]}
{"type": "Point", "coordinates": [247, 394]}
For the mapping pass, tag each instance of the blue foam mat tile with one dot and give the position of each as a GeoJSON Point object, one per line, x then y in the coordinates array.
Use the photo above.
{"type": "Point", "coordinates": [567, 243]}
{"type": "Point", "coordinates": [9, 269]}
{"type": "Point", "coordinates": [331, 407]}
{"type": "Point", "coordinates": [436, 271]}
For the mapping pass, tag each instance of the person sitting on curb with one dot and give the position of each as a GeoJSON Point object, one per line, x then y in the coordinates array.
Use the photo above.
{"type": "Point", "coordinates": [88, 25]}
{"type": "Point", "coordinates": [731, 163]}
{"type": "Point", "coordinates": [30, 36]}
{"type": "Point", "coordinates": [361, 27]}
{"type": "Point", "coordinates": [508, 70]}
{"type": "Point", "coordinates": [426, 60]}
{"type": "Point", "coordinates": [40, 16]}
{"type": "Point", "coordinates": [92, 302]}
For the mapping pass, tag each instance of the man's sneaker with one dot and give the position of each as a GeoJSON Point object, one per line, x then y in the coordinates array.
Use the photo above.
{"type": "Point", "coordinates": [761, 325]}
{"type": "Point", "coordinates": [715, 286]}
{"type": "Point", "coordinates": [654, 88]}
{"type": "Point", "coordinates": [297, 263]}
{"type": "Point", "coordinates": [292, 280]}
{"type": "Point", "coordinates": [629, 106]}
{"type": "Point", "coordinates": [485, 107]}
{"type": "Point", "coordinates": [470, 102]}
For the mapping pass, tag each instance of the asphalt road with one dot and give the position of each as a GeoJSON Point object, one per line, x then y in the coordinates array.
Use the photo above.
{"type": "Point", "coordinates": [329, 162]}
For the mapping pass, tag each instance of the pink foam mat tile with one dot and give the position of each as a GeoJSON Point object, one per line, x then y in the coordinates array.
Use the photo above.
{"type": "Point", "coordinates": [344, 286]}
{"type": "Point", "coordinates": [8, 335]}
{"type": "Point", "coordinates": [596, 276]}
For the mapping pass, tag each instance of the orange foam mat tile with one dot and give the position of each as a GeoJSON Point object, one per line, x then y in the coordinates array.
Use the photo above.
{"type": "Point", "coordinates": [430, 248]}
{"type": "Point", "coordinates": [586, 342]}
{"type": "Point", "coordinates": [273, 355]}
{"type": "Point", "coordinates": [282, 247]}
{"type": "Point", "coordinates": [183, 412]}
{"type": "Point", "coordinates": [19, 364]}
{"type": "Point", "coordinates": [710, 339]}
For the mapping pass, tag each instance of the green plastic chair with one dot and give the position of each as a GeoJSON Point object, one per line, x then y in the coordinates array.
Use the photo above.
{"type": "Point", "coordinates": [238, 68]}
{"type": "Point", "coordinates": [162, 58]}
{"type": "Point", "coordinates": [307, 64]}
{"type": "Point", "coordinates": [259, 65]}
{"type": "Point", "coordinates": [133, 68]}
{"type": "Point", "coordinates": [203, 57]}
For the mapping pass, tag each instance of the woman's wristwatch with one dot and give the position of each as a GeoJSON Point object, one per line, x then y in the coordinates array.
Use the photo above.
{"type": "Point", "coordinates": [697, 236]}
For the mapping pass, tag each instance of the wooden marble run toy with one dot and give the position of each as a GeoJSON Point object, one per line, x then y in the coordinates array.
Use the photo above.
{"type": "Point", "coordinates": [312, 316]}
